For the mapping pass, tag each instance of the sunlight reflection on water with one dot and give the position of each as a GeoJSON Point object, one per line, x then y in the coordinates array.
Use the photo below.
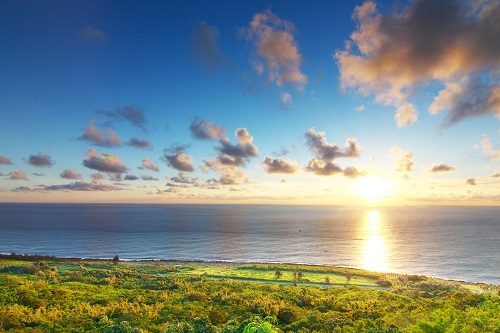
{"type": "Point", "coordinates": [374, 255]}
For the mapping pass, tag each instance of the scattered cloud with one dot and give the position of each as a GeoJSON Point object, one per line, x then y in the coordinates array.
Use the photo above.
{"type": "Point", "coordinates": [469, 97]}
{"type": "Point", "coordinates": [38, 174]}
{"type": "Point", "coordinates": [495, 175]}
{"type": "Point", "coordinates": [130, 177]}
{"type": "Point", "coordinates": [139, 143]}
{"type": "Point", "coordinates": [230, 157]}
{"type": "Point", "coordinates": [361, 108]}
{"type": "Point", "coordinates": [17, 175]}
{"type": "Point", "coordinates": [110, 164]}
{"type": "Point", "coordinates": [276, 51]}
{"type": "Point", "coordinates": [470, 181]}
{"type": "Point", "coordinates": [402, 158]}
{"type": "Point", "coordinates": [183, 178]}
{"type": "Point", "coordinates": [148, 177]}
{"type": "Point", "coordinates": [23, 189]}
{"type": "Point", "coordinates": [389, 55]}
{"type": "Point", "coordinates": [280, 166]}
{"type": "Point", "coordinates": [205, 46]}
{"type": "Point", "coordinates": [323, 168]}
{"type": "Point", "coordinates": [131, 113]}
{"type": "Point", "coordinates": [96, 176]}
{"type": "Point", "coordinates": [317, 143]}
{"type": "Point", "coordinates": [70, 174]}
{"type": "Point", "coordinates": [488, 150]}
{"type": "Point", "coordinates": [206, 130]}
{"type": "Point", "coordinates": [283, 151]}
{"type": "Point", "coordinates": [41, 160]}
{"type": "Point", "coordinates": [177, 159]}
{"type": "Point", "coordinates": [286, 101]}
{"type": "Point", "coordinates": [92, 34]}
{"type": "Point", "coordinates": [148, 163]}
{"type": "Point", "coordinates": [5, 160]}
{"type": "Point", "coordinates": [352, 172]}
{"type": "Point", "coordinates": [323, 164]}
{"type": "Point", "coordinates": [441, 167]}
{"type": "Point", "coordinates": [94, 135]}
{"type": "Point", "coordinates": [237, 154]}
{"type": "Point", "coordinates": [95, 185]}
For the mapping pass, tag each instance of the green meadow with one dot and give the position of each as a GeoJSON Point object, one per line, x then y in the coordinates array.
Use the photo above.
{"type": "Point", "coordinates": [69, 295]}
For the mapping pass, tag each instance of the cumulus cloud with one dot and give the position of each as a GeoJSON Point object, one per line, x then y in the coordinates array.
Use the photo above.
{"type": "Point", "coordinates": [148, 177]}
{"type": "Point", "coordinates": [5, 160]}
{"type": "Point", "coordinates": [402, 158]}
{"type": "Point", "coordinates": [131, 113]}
{"type": "Point", "coordinates": [495, 175]}
{"type": "Point", "coordinates": [130, 177]}
{"type": "Point", "coordinates": [441, 167]}
{"type": "Point", "coordinates": [41, 160]}
{"type": "Point", "coordinates": [177, 159]}
{"type": "Point", "coordinates": [92, 34]}
{"type": "Point", "coordinates": [17, 175]}
{"type": "Point", "coordinates": [110, 164]}
{"type": "Point", "coordinates": [205, 46]}
{"type": "Point", "coordinates": [326, 153]}
{"type": "Point", "coordinates": [70, 174]}
{"type": "Point", "coordinates": [184, 179]}
{"type": "Point", "coordinates": [229, 174]}
{"type": "Point", "coordinates": [352, 172]}
{"type": "Point", "coordinates": [389, 55]}
{"type": "Point", "coordinates": [148, 163]}
{"type": "Point", "coordinates": [280, 166]}
{"type": "Point", "coordinates": [276, 51]}
{"type": "Point", "coordinates": [95, 185]}
{"type": "Point", "coordinates": [323, 168]}
{"type": "Point", "coordinates": [469, 97]}
{"type": "Point", "coordinates": [139, 143]}
{"type": "Point", "coordinates": [470, 181]}
{"type": "Point", "coordinates": [237, 154]}
{"type": "Point", "coordinates": [99, 138]}
{"type": "Point", "coordinates": [206, 130]}
{"type": "Point", "coordinates": [488, 150]}
{"type": "Point", "coordinates": [96, 176]}
{"type": "Point", "coordinates": [232, 156]}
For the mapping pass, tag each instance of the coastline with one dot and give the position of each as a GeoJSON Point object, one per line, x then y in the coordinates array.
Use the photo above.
{"type": "Point", "coordinates": [475, 286]}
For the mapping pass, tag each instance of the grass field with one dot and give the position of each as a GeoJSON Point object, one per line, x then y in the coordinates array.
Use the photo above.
{"type": "Point", "coordinates": [40, 294]}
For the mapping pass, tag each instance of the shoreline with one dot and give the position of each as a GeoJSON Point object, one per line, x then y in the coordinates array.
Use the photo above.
{"type": "Point", "coordinates": [35, 257]}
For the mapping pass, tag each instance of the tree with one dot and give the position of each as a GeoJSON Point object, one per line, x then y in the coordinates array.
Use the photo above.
{"type": "Point", "coordinates": [278, 273]}
{"type": "Point", "coordinates": [348, 276]}
{"type": "Point", "coordinates": [327, 279]}
{"type": "Point", "coordinates": [116, 259]}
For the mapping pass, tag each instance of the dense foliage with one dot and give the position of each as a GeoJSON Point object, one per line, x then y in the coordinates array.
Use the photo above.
{"type": "Point", "coordinates": [97, 296]}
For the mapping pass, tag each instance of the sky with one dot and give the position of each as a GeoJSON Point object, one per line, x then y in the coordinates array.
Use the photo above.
{"type": "Point", "coordinates": [280, 102]}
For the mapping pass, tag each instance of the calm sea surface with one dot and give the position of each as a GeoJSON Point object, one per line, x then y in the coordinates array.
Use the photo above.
{"type": "Point", "coordinates": [460, 243]}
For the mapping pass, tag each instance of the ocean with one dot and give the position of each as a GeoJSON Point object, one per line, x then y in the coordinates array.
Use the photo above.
{"type": "Point", "coordinates": [459, 243]}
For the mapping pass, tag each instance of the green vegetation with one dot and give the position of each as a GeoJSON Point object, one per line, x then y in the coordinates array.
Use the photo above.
{"type": "Point", "coordinates": [57, 295]}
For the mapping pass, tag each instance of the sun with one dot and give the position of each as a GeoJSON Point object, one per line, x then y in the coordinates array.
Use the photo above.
{"type": "Point", "coordinates": [372, 188]}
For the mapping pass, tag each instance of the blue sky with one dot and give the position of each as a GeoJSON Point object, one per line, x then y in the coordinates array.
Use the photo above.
{"type": "Point", "coordinates": [413, 86]}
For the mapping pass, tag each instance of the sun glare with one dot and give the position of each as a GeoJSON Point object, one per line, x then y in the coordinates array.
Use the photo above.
{"type": "Point", "coordinates": [371, 188]}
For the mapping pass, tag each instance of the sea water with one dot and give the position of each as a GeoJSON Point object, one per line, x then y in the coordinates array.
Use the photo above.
{"type": "Point", "coordinates": [460, 243]}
